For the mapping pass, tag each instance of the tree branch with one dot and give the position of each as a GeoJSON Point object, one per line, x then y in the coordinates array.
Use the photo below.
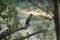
{"type": "Point", "coordinates": [7, 33]}
{"type": "Point", "coordinates": [32, 34]}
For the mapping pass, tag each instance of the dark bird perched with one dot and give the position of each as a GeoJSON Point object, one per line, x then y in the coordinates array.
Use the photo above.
{"type": "Point", "coordinates": [28, 19]}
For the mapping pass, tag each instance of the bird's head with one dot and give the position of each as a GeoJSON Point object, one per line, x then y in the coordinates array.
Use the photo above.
{"type": "Point", "coordinates": [31, 14]}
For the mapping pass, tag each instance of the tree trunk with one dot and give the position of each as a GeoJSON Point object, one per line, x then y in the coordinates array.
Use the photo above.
{"type": "Point", "coordinates": [56, 19]}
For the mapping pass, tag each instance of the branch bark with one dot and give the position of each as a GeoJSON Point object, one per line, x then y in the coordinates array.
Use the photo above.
{"type": "Point", "coordinates": [32, 34]}
{"type": "Point", "coordinates": [7, 33]}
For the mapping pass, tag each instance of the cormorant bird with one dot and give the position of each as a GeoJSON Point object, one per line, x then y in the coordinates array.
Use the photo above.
{"type": "Point", "coordinates": [28, 19]}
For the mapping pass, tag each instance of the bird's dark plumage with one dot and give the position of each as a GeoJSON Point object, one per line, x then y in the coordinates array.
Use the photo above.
{"type": "Point", "coordinates": [28, 19]}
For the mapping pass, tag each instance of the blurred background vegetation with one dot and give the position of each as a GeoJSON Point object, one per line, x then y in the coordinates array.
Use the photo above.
{"type": "Point", "coordinates": [13, 14]}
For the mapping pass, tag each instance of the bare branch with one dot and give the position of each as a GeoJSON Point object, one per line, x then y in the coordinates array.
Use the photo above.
{"type": "Point", "coordinates": [33, 34]}
{"type": "Point", "coordinates": [7, 33]}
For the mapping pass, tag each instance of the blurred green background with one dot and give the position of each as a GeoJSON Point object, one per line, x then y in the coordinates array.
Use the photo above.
{"type": "Point", "coordinates": [13, 14]}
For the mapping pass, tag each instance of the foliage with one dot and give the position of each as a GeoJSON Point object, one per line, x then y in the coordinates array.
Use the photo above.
{"type": "Point", "coordinates": [9, 17]}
